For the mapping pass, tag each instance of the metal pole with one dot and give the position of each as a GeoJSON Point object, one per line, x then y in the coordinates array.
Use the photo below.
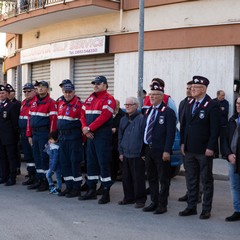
{"type": "Point", "coordinates": [140, 51]}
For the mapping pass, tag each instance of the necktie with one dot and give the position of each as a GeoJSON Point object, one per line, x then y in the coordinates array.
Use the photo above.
{"type": "Point", "coordinates": [150, 127]}
{"type": "Point", "coordinates": [196, 107]}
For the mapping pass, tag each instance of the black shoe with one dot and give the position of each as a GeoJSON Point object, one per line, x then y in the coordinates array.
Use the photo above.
{"type": "Point", "coordinates": [183, 198]}
{"type": "Point", "coordinates": [30, 181]}
{"type": "Point", "coordinates": [105, 196]}
{"type": "Point", "coordinates": [43, 186]}
{"type": "Point", "coordinates": [188, 212]}
{"type": "Point", "coordinates": [84, 187]}
{"type": "Point", "coordinates": [233, 218]}
{"type": "Point", "coordinates": [10, 182]}
{"type": "Point", "coordinates": [150, 208]}
{"type": "Point", "coordinates": [73, 193]}
{"type": "Point", "coordinates": [205, 215]}
{"type": "Point", "coordinates": [34, 186]}
{"type": "Point", "coordinates": [124, 202]}
{"type": "Point", "coordinates": [100, 190]}
{"type": "Point", "coordinates": [63, 193]}
{"type": "Point", "coordinates": [160, 210]}
{"type": "Point", "coordinates": [90, 194]}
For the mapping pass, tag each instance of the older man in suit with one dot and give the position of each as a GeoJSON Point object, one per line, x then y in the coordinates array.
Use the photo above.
{"type": "Point", "coordinates": [199, 133]}
{"type": "Point", "coordinates": [158, 138]}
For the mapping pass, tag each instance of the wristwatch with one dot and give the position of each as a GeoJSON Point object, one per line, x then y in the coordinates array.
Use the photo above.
{"type": "Point", "coordinates": [89, 130]}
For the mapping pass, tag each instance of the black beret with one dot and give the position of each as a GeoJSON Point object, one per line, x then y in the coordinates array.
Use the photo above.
{"type": "Point", "coordinates": [200, 80]}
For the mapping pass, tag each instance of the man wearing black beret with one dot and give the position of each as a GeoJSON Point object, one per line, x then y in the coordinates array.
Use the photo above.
{"type": "Point", "coordinates": [199, 133]}
{"type": "Point", "coordinates": [158, 138]}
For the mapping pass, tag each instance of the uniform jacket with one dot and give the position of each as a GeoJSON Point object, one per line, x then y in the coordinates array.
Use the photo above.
{"type": "Point", "coordinates": [182, 107]}
{"type": "Point", "coordinates": [130, 135]}
{"type": "Point", "coordinates": [231, 127]}
{"type": "Point", "coordinates": [43, 113]}
{"type": "Point", "coordinates": [164, 129]}
{"type": "Point", "coordinates": [200, 131]}
{"type": "Point", "coordinates": [9, 113]}
{"type": "Point", "coordinates": [24, 114]}
{"type": "Point", "coordinates": [98, 110]}
{"type": "Point", "coordinates": [69, 115]}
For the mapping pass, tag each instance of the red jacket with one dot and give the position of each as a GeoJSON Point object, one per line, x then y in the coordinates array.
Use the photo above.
{"type": "Point", "coordinates": [43, 113]}
{"type": "Point", "coordinates": [98, 110]}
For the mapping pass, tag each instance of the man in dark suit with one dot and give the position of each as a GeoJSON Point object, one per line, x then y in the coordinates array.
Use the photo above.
{"type": "Point", "coordinates": [158, 138]}
{"type": "Point", "coordinates": [199, 132]}
{"type": "Point", "coordinates": [9, 113]}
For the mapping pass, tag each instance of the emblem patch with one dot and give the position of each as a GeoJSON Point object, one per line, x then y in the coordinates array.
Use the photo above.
{"type": "Point", "coordinates": [161, 120]}
{"type": "Point", "coordinates": [202, 114]}
{"type": "Point", "coordinates": [4, 114]}
{"type": "Point", "coordinates": [109, 102]}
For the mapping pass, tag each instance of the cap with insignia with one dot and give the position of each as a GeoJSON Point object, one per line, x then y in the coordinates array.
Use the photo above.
{"type": "Point", "coordinates": [200, 80]}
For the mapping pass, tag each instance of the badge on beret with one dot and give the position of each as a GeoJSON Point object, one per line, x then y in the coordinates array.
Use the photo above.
{"type": "Point", "coordinates": [202, 114]}
{"type": "Point", "coordinates": [161, 120]}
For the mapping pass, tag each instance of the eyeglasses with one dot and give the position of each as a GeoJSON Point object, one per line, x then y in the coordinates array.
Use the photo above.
{"type": "Point", "coordinates": [129, 105]}
{"type": "Point", "coordinates": [27, 91]}
{"type": "Point", "coordinates": [68, 91]}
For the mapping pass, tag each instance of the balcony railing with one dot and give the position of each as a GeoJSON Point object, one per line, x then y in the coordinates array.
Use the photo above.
{"type": "Point", "coordinates": [11, 8]}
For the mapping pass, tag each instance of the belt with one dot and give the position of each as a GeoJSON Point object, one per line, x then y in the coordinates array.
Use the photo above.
{"type": "Point", "coordinates": [39, 129]}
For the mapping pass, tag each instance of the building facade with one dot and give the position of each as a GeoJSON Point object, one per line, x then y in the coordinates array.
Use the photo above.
{"type": "Point", "coordinates": [79, 39]}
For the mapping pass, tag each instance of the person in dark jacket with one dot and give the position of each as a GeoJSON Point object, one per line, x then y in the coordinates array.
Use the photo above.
{"type": "Point", "coordinates": [199, 133]}
{"type": "Point", "coordinates": [130, 140]}
{"type": "Point", "coordinates": [158, 138]}
{"type": "Point", "coordinates": [224, 109]}
{"type": "Point", "coordinates": [231, 148]}
{"type": "Point", "coordinates": [9, 113]}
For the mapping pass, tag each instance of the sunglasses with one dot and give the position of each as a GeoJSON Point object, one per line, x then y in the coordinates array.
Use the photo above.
{"type": "Point", "coordinates": [27, 91]}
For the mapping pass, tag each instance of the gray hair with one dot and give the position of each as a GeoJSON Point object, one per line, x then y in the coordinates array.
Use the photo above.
{"type": "Point", "coordinates": [134, 100]}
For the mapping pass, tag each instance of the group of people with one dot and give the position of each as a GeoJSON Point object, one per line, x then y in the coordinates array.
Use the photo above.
{"type": "Point", "coordinates": [56, 136]}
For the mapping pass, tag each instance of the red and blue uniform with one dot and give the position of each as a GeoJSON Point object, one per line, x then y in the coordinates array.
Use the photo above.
{"type": "Point", "coordinates": [97, 115]}
{"type": "Point", "coordinates": [42, 120]}
{"type": "Point", "coordinates": [70, 141]}
{"type": "Point", "coordinates": [22, 123]}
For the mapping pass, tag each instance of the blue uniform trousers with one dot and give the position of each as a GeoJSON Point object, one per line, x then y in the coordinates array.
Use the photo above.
{"type": "Point", "coordinates": [40, 138]}
{"type": "Point", "coordinates": [99, 157]}
{"type": "Point", "coordinates": [71, 155]}
{"type": "Point", "coordinates": [28, 153]}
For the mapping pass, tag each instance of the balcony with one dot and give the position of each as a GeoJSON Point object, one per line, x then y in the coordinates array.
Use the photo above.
{"type": "Point", "coordinates": [20, 16]}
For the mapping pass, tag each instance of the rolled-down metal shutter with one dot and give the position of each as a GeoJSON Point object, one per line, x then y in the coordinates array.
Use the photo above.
{"type": "Point", "coordinates": [87, 68]}
{"type": "Point", "coordinates": [41, 71]}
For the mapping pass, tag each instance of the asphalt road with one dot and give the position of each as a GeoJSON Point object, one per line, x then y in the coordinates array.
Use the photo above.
{"type": "Point", "coordinates": [30, 215]}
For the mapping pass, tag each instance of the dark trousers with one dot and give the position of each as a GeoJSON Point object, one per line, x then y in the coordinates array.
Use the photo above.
{"type": "Point", "coordinates": [197, 167]}
{"type": "Point", "coordinates": [28, 153]}
{"type": "Point", "coordinates": [8, 160]}
{"type": "Point", "coordinates": [133, 180]}
{"type": "Point", "coordinates": [158, 171]}
{"type": "Point", "coordinates": [40, 157]}
{"type": "Point", "coordinates": [99, 157]}
{"type": "Point", "coordinates": [71, 155]}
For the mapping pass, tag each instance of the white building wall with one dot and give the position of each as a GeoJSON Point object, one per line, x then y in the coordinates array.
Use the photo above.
{"type": "Point", "coordinates": [176, 68]}
{"type": "Point", "coordinates": [60, 69]}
